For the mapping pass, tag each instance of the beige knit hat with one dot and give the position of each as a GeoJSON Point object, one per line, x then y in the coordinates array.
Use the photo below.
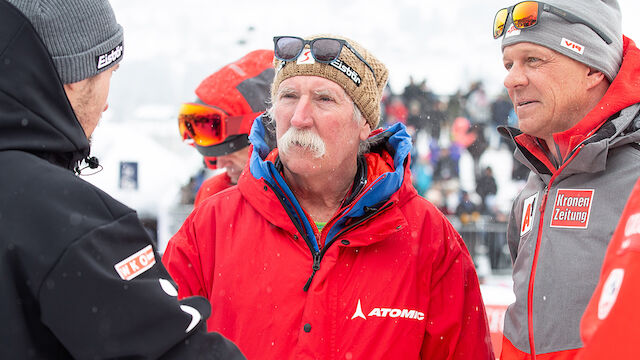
{"type": "Point", "coordinates": [348, 71]}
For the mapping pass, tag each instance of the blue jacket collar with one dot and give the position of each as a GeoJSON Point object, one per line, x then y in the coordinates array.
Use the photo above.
{"type": "Point", "coordinates": [394, 140]}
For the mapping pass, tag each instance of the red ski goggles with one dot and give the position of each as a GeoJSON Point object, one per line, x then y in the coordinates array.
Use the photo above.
{"type": "Point", "coordinates": [526, 14]}
{"type": "Point", "coordinates": [323, 50]}
{"type": "Point", "coordinates": [207, 125]}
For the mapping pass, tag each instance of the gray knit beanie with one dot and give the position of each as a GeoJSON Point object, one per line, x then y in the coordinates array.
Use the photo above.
{"type": "Point", "coordinates": [576, 40]}
{"type": "Point", "coordinates": [82, 36]}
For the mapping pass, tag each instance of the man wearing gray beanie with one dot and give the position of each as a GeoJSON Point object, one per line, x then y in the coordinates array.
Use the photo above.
{"type": "Point", "coordinates": [572, 77]}
{"type": "Point", "coordinates": [80, 277]}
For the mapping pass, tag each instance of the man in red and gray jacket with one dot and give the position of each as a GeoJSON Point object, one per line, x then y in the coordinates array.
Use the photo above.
{"type": "Point", "coordinates": [324, 250]}
{"type": "Point", "coordinates": [573, 79]}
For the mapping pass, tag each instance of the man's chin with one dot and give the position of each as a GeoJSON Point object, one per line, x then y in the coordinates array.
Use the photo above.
{"type": "Point", "coordinates": [234, 175]}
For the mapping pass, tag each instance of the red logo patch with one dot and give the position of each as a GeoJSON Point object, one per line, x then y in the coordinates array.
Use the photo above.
{"type": "Point", "coordinates": [572, 208]}
{"type": "Point", "coordinates": [572, 46]}
{"type": "Point", "coordinates": [528, 214]}
{"type": "Point", "coordinates": [136, 264]}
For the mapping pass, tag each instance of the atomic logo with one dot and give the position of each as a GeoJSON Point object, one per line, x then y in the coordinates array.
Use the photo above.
{"type": "Point", "coordinates": [358, 312]}
{"type": "Point", "coordinates": [388, 312]}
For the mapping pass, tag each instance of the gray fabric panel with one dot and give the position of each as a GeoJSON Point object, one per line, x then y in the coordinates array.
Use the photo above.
{"type": "Point", "coordinates": [256, 89]}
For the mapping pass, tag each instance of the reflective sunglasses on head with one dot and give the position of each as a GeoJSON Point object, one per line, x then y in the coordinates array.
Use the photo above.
{"type": "Point", "coordinates": [526, 14]}
{"type": "Point", "coordinates": [207, 125]}
{"type": "Point", "coordinates": [323, 50]}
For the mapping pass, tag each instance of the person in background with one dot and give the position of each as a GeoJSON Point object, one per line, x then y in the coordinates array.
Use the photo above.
{"type": "Point", "coordinates": [217, 123]}
{"type": "Point", "coordinates": [486, 187]}
{"type": "Point", "coordinates": [572, 78]}
{"type": "Point", "coordinates": [329, 252]}
{"type": "Point", "coordinates": [467, 210]}
{"type": "Point", "coordinates": [80, 276]}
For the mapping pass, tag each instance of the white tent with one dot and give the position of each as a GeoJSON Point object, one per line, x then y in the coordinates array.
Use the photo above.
{"type": "Point", "coordinates": [164, 164]}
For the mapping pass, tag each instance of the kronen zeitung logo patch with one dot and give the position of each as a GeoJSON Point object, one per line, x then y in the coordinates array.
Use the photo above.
{"type": "Point", "coordinates": [572, 208]}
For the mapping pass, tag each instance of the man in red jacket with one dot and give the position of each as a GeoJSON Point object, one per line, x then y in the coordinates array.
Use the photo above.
{"type": "Point", "coordinates": [217, 124]}
{"type": "Point", "coordinates": [324, 250]}
{"type": "Point", "coordinates": [609, 325]}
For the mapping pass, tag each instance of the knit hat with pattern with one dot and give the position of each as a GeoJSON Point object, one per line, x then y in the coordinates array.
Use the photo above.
{"type": "Point", "coordinates": [354, 76]}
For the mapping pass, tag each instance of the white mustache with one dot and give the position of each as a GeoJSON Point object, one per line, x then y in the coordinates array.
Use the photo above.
{"type": "Point", "coordinates": [303, 138]}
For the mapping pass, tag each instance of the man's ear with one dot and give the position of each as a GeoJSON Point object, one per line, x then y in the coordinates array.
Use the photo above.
{"type": "Point", "coordinates": [71, 87]}
{"type": "Point", "coordinates": [77, 85]}
{"type": "Point", "coordinates": [595, 78]}
{"type": "Point", "coordinates": [365, 130]}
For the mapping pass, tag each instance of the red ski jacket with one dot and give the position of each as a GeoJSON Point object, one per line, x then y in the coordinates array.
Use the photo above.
{"type": "Point", "coordinates": [608, 326]}
{"type": "Point", "coordinates": [211, 186]}
{"type": "Point", "coordinates": [387, 278]}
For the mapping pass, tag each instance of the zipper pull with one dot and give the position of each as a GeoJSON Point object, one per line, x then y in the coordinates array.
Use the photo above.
{"type": "Point", "coordinates": [316, 267]}
{"type": "Point", "coordinates": [543, 203]}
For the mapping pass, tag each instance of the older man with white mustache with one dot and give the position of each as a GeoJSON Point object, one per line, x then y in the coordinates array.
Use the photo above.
{"type": "Point", "coordinates": [324, 249]}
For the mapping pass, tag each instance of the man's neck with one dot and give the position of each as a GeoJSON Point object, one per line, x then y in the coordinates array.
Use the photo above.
{"type": "Point", "coordinates": [321, 195]}
{"type": "Point", "coordinates": [551, 148]}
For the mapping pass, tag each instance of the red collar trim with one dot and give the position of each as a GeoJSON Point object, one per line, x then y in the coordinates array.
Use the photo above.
{"type": "Point", "coordinates": [530, 143]}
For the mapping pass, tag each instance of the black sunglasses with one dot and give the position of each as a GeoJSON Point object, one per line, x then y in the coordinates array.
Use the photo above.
{"type": "Point", "coordinates": [323, 50]}
{"type": "Point", "coordinates": [526, 14]}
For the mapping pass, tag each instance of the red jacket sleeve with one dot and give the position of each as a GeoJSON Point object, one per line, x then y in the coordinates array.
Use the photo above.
{"type": "Point", "coordinates": [608, 326]}
{"type": "Point", "coordinates": [182, 260]}
{"type": "Point", "coordinates": [457, 325]}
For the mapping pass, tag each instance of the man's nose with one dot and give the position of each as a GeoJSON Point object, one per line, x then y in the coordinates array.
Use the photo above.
{"type": "Point", "coordinates": [515, 77]}
{"type": "Point", "coordinates": [222, 161]}
{"type": "Point", "coordinates": [302, 115]}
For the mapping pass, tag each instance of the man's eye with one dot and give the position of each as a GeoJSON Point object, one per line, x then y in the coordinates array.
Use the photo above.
{"type": "Point", "coordinates": [508, 66]}
{"type": "Point", "coordinates": [532, 59]}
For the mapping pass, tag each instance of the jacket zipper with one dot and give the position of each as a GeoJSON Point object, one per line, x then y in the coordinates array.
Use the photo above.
{"type": "Point", "coordinates": [317, 256]}
{"type": "Point", "coordinates": [532, 277]}
{"type": "Point", "coordinates": [298, 226]}
{"type": "Point", "coordinates": [534, 265]}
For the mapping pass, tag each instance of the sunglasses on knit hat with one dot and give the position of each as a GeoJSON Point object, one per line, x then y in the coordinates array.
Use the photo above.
{"type": "Point", "coordinates": [206, 125]}
{"type": "Point", "coordinates": [526, 14]}
{"type": "Point", "coordinates": [323, 50]}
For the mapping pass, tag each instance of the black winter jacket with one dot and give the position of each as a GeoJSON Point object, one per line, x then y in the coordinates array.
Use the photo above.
{"type": "Point", "coordinates": [79, 275]}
